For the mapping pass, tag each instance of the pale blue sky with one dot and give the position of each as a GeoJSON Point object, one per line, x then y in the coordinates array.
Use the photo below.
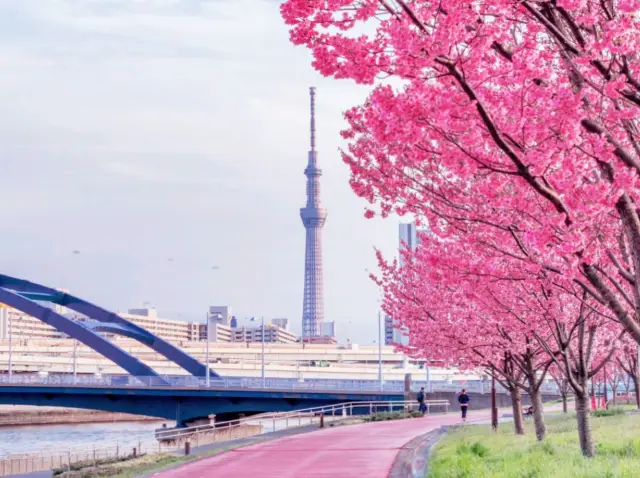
{"type": "Point", "coordinates": [141, 130]}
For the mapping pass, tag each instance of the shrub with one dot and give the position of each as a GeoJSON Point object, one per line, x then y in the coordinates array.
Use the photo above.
{"type": "Point", "coordinates": [609, 412]}
{"type": "Point", "coordinates": [80, 465]}
{"type": "Point", "coordinates": [478, 449]}
{"type": "Point", "coordinates": [382, 416]}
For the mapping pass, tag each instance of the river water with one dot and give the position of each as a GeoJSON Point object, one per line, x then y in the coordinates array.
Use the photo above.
{"type": "Point", "coordinates": [53, 438]}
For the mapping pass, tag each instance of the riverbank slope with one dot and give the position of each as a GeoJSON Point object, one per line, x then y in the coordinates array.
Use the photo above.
{"type": "Point", "coordinates": [22, 415]}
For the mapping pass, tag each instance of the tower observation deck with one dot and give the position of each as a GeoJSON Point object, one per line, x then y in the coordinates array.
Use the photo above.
{"type": "Point", "coordinates": [313, 218]}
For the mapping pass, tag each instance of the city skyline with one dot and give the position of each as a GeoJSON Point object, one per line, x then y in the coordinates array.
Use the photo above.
{"type": "Point", "coordinates": [178, 185]}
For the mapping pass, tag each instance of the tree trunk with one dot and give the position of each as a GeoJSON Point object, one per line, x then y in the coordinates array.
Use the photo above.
{"type": "Point", "coordinates": [564, 402]}
{"type": "Point", "coordinates": [516, 404]}
{"type": "Point", "coordinates": [584, 424]}
{"type": "Point", "coordinates": [538, 415]}
{"type": "Point", "coordinates": [635, 380]}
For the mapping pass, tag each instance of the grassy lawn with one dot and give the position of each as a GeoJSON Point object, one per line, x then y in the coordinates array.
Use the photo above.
{"type": "Point", "coordinates": [476, 452]}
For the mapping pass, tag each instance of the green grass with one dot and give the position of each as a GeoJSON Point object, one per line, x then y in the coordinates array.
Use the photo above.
{"type": "Point", "coordinates": [477, 452]}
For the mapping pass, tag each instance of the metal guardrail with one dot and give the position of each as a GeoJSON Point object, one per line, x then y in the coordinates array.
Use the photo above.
{"type": "Point", "coordinates": [173, 440]}
{"type": "Point", "coordinates": [199, 382]}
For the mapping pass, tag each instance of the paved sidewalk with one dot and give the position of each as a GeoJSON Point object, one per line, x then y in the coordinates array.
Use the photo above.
{"type": "Point", "coordinates": [365, 450]}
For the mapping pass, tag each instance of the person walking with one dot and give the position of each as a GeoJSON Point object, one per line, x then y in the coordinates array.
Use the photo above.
{"type": "Point", "coordinates": [463, 400]}
{"type": "Point", "coordinates": [422, 408]}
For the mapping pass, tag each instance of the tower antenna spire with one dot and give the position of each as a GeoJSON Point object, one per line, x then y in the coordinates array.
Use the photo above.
{"type": "Point", "coordinates": [312, 101]}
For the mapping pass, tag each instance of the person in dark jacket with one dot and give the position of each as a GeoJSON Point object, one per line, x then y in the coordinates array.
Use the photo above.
{"type": "Point", "coordinates": [422, 407]}
{"type": "Point", "coordinates": [463, 400]}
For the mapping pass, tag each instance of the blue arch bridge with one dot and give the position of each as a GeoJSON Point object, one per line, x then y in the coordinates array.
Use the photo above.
{"type": "Point", "coordinates": [145, 392]}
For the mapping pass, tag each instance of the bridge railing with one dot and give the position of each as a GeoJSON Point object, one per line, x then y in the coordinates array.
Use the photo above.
{"type": "Point", "coordinates": [173, 440]}
{"type": "Point", "coordinates": [251, 383]}
{"type": "Point", "coordinates": [199, 382]}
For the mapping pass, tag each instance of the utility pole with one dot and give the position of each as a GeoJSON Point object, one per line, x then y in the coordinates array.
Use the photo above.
{"type": "Point", "coordinates": [494, 407]}
{"type": "Point", "coordinates": [380, 349]}
{"type": "Point", "coordinates": [208, 379]}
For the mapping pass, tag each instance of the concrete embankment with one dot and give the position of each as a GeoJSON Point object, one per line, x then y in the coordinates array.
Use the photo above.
{"type": "Point", "coordinates": [23, 415]}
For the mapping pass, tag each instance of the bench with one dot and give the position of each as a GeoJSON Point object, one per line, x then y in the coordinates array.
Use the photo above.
{"type": "Point", "coordinates": [527, 412]}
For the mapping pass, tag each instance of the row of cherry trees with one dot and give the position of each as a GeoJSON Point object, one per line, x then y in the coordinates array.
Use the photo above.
{"type": "Point", "coordinates": [510, 128]}
{"type": "Point", "coordinates": [519, 327]}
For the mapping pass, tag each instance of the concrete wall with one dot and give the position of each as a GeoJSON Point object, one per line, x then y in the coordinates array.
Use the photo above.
{"type": "Point", "coordinates": [214, 435]}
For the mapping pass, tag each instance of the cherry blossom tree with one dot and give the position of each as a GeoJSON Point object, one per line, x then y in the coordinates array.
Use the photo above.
{"type": "Point", "coordinates": [578, 337]}
{"type": "Point", "coordinates": [450, 310]}
{"type": "Point", "coordinates": [447, 290]}
{"type": "Point", "coordinates": [518, 118]}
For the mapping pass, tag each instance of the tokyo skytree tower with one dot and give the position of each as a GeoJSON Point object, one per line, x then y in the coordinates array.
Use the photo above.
{"type": "Point", "coordinates": [313, 217]}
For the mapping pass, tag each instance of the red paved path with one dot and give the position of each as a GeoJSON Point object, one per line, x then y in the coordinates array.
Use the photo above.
{"type": "Point", "coordinates": [366, 450]}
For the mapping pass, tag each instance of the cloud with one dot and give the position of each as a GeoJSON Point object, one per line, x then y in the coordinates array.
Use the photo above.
{"type": "Point", "coordinates": [134, 130]}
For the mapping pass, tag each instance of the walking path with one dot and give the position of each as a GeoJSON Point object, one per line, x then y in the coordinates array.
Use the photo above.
{"type": "Point", "coordinates": [368, 450]}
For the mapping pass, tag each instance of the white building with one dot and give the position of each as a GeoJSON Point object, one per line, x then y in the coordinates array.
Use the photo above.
{"type": "Point", "coordinates": [221, 314]}
{"type": "Point", "coordinates": [16, 324]}
{"type": "Point", "coordinates": [218, 333]}
{"type": "Point", "coordinates": [329, 329]}
{"type": "Point", "coordinates": [272, 334]}
{"type": "Point", "coordinates": [169, 329]}
{"type": "Point", "coordinates": [281, 322]}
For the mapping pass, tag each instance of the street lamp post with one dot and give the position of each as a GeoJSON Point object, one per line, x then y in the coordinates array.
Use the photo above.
{"type": "Point", "coordinates": [426, 366]}
{"type": "Point", "coordinates": [380, 349]}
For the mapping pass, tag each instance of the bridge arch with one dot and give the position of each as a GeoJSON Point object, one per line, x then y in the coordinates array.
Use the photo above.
{"type": "Point", "coordinates": [23, 295]}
